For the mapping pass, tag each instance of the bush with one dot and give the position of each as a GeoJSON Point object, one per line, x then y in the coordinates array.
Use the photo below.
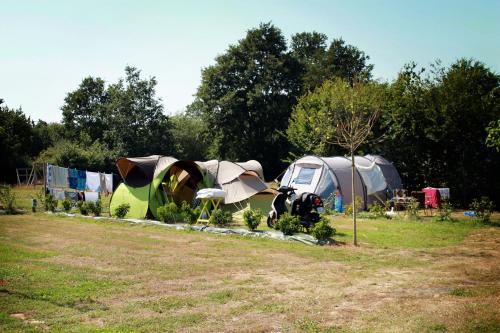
{"type": "Point", "coordinates": [95, 207]}
{"type": "Point", "coordinates": [187, 214]}
{"type": "Point", "coordinates": [67, 204]}
{"type": "Point", "coordinates": [7, 199]}
{"type": "Point", "coordinates": [322, 230]}
{"type": "Point", "coordinates": [377, 210]}
{"type": "Point", "coordinates": [83, 207]}
{"type": "Point", "coordinates": [168, 213]}
{"type": "Point", "coordinates": [483, 208]}
{"type": "Point", "coordinates": [50, 203]}
{"type": "Point", "coordinates": [444, 212]}
{"type": "Point", "coordinates": [288, 224]}
{"type": "Point", "coordinates": [359, 206]}
{"type": "Point", "coordinates": [220, 218]}
{"type": "Point", "coordinates": [122, 210]}
{"type": "Point", "coordinates": [412, 209]}
{"type": "Point", "coordinates": [252, 218]}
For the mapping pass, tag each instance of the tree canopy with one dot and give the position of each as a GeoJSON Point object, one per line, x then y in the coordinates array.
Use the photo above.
{"type": "Point", "coordinates": [247, 96]}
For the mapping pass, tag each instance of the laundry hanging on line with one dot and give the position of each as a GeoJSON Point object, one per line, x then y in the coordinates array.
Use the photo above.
{"type": "Point", "coordinates": [93, 182]}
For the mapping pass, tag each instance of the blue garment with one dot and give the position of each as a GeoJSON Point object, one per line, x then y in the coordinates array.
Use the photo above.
{"type": "Point", "coordinates": [82, 180]}
{"type": "Point", "coordinates": [73, 178]}
{"type": "Point", "coordinates": [339, 207]}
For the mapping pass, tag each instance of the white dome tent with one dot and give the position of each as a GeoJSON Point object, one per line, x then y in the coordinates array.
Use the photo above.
{"type": "Point", "coordinates": [325, 175]}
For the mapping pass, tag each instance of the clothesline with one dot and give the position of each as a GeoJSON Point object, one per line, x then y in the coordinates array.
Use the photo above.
{"type": "Point", "coordinates": [58, 179]}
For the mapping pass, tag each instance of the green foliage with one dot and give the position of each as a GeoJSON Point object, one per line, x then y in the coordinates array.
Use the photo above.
{"type": "Point", "coordinates": [95, 207]}
{"type": "Point", "coordinates": [377, 210]}
{"type": "Point", "coordinates": [126, 115]}
{"type": "Point", "coordinates": [313, 127]}
{"type": "Point", "coordinates": [252, 218]}
{"type": "Point", "coordinates": [171, 213]}
{"type": "Point", "coordinates": [50, 203]}
{"type": "Point", "coordinates": [493, 139]}
{"type": "Point", "coordinates": [67, 204]}
{"type": "Point", "coordinates": [168, 213]}
{"type": "Point", "coordinates": [322, 229]}
{"type": "Point", "coordinates": [190, 136]}
{"type": "Point", "coordinates": [246, 97]}
{"type": "Point", "coordinates": [444, 212]}
{"type": "Point", "coordinates": [8, 199]}
{"type": "Point", "coordinates": [339, 60]}
{"type": "Point", "coordinates": [187, 214]}
{"type": "Point", "coordinates": [122, 210]}
{"type": "Point", "coordinates": [81, 155]}
{"type": "Point", "coordinates": [483, 208]}
{"type": "Point", "coordinates": [16, 141]}
{"type": "Point", "coordinates": [83, 207]}
{"type": "Point", "coordinates": [359, 206]}
{"type": "Point", "coordinates": [220, 218]}
{"type": "Point", "coordinates": [440, 119]}
{"type": "Point", "coordinates": [411, 211]}
{"type": "Point", "coordinates": [288, 224]}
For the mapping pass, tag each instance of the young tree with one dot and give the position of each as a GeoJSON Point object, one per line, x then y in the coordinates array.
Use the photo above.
{"type": "Point", "coordinates": [354, 109]}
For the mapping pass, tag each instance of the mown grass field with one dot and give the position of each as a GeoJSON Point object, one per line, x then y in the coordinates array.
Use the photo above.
{"type": "Point", "coordinates": [62, 274]}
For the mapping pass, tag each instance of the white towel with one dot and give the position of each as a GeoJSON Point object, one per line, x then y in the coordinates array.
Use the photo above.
{"type": "Point", "coordinates": [93, 182]}
{"type": "Point", "coordinates": [109, 182]}
{"type": "Point", "coordinates": [91, 196]}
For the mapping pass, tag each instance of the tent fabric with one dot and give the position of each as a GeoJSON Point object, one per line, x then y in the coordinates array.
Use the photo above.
{"type": "Point", "coordinates": [242, 188]}
{"type": "Point", "coordinates": [375, 182]}
{"type": "Point", "coordinates": [137, 171]}
{"type": "Point", "coordinates": [372, 177]}
{"type": "Point", "coordinates": [390, 172]}
{"type": "Point", "coordinates": [136, 197]}
{"type": "Point", "coordinates": [167, 179]}
{"type": "Point", "coordinates": [254, 166]}
{"type": "Point", "coordinates": [326, 175]}
{"type": "Point", "coordinates": [232, 177]}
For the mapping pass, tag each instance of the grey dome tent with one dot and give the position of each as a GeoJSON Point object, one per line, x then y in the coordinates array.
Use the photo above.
{"type": "Point", "coordinates": [325, 175]}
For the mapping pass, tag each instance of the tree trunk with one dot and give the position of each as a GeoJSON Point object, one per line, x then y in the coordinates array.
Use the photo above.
{"type": "Point", "coordinates": [354, 208]}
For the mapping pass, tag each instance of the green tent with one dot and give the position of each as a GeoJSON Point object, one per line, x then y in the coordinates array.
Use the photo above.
{"type": "Point", "coordinates": [150, 182]}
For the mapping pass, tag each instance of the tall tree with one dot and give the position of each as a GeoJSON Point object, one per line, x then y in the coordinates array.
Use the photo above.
{"type": "Point", "coordinates": [189, 133]}
{"type": "Point", "coordinates": [137, 125]}
{"type": "Point", "coordinates": [16, 139]}
{"type": "Point", "coordinates": [125, 116]}
{"type": "Point", "coordinates": [84, 110]}
{"type": "Point", "coordinates": [309, 48]}
{"type": "Point", "coordinates": [347, 62]}
{"type": "Point", "coordinates": [436, 129]}
{"type": "Point", "coordinates": [247, 97]}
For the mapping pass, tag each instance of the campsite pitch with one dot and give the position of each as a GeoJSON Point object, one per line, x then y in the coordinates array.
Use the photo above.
{"type": "Point", "coordinates": [81, 275]}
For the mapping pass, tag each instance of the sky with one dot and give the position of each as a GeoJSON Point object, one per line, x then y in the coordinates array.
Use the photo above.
{"type": "Point", "coordinates": [48, 47]}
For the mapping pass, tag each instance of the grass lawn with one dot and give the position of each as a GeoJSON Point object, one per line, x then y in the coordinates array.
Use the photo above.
{"type": "Point", "coordinates": [63, 274]}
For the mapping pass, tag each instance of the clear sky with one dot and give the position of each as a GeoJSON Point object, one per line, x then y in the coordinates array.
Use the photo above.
{"type": "Point", "coordinates": [48, 47]}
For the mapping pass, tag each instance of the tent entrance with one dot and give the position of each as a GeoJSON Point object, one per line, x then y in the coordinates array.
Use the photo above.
{"type": "Point", "coordinates": [180, 183]}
